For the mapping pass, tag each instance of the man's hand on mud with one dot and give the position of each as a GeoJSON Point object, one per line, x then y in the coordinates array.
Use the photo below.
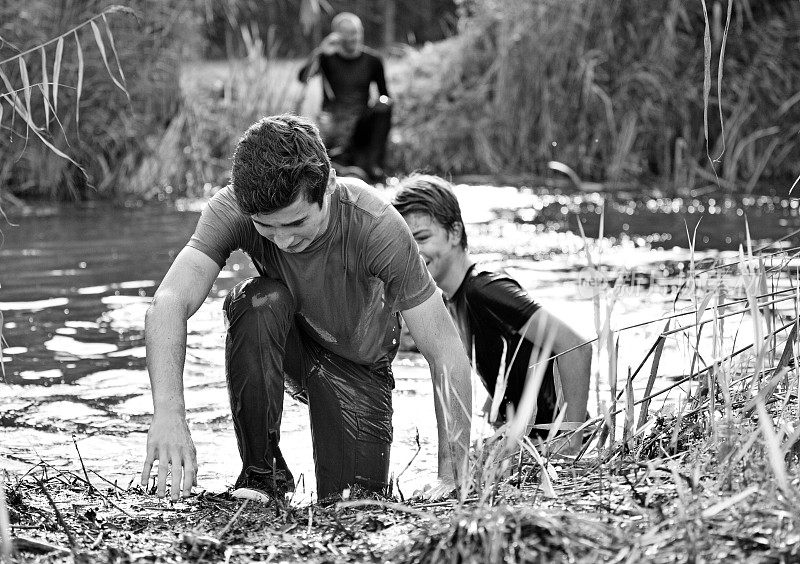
{"type": "Point", "coordinates": [437, 490]}
{"type": "Point", "coordinates": [170, 443]}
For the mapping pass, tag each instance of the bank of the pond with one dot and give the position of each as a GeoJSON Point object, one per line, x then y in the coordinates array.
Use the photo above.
{"type": "Point", "coordinates": [673, 493]}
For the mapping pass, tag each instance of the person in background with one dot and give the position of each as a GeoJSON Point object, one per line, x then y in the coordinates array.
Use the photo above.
{"type": "Point", "coordinates": [354, 127]}
{"type": "Point", "coordinates": [337, 268]}
{"type": "Point", "coordinates": [493, 313]}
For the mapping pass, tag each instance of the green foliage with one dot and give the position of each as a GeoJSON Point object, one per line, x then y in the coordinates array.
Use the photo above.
{"type": "Point", "coordinates": [218, 102]}
{"type": "Point", "coordinates": [86, 111]}
{"type": "Point", "coordinates": [613, 90]}
{"type": "Point", "coordinates": [294, 27]}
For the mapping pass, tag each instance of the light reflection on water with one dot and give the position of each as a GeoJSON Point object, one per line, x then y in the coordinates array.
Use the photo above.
{"type": "Point", "coordinates": [76, 285]}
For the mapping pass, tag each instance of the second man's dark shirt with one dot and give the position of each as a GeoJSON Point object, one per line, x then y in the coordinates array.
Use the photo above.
{"type": "Point", "coordinates": [491, 310]}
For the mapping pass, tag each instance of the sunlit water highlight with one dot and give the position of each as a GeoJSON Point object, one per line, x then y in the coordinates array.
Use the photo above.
{"type": "Point", "coordinates": [76, 284]}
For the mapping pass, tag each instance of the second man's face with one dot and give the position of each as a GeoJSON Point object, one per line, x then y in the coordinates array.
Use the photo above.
{"type": "Point", "coordinates": [437, 246]}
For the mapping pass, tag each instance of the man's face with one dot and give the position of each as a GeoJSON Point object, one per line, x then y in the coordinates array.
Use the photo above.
{"type": "Point", "coordinates": [437, 246]}
{"type": "Point", "coordinates": [351, 37]}
{"type": "Point", "coordinates": [296, 226]}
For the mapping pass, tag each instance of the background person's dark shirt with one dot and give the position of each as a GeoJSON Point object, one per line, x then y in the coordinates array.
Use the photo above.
{"type": "Point", "coordinates": [490, 309]}
{"type": "Point", "coordinates": [348, 80]}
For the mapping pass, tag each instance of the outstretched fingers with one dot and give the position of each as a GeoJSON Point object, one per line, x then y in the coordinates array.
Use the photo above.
{"type": "Point", "coordinates": [163, 469]}
{"type": "Point", "coordinates": [189, 473]}
{"type": "Point", "coordinates": [176, 465]}
{"type": "Point", "coordinates": [148, 467]}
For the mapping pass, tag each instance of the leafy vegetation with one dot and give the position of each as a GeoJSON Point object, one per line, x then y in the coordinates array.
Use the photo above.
{"type": "Point", "coordinates": [614, 91]}
{"type": "Point", "coordinates": [88, 88]}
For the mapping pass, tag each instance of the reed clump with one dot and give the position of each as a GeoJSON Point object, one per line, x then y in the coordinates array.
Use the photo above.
{"type": "Point", "coordinates": [612, 90]}
{"type": "Point", "coordinates": [710, 475]}
{"type": "Point", "coordinates": [218, 102]}
{"type": "Point", "coordinates": [95, 109]}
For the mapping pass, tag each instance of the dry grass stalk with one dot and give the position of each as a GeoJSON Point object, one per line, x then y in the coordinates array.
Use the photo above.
{"type": "Point", "coordinates": [5, 524]}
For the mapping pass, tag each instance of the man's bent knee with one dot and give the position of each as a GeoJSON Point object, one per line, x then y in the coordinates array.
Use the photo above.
{"type": "Point", "coordinates": [259, 295]}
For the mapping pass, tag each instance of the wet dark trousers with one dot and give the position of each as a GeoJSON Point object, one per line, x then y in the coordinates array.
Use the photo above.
{"type": "Point", "coordinates": [349, 404]}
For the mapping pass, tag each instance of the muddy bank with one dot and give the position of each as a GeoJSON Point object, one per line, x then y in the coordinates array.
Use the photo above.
{"type": "Point", "coordinates": [664, 497]}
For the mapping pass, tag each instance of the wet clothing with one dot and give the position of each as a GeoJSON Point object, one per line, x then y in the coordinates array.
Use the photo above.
{"type": "Point", "coordinates": [323, 322]}
{"type": "Point", "coordinates": [490, 310]}
{"type": "Point", "coordinates": [355, 133]}
{"type": "Point", "coordinates": [349, 284]}
{"type": "Point", "coordinates": [350, 404]}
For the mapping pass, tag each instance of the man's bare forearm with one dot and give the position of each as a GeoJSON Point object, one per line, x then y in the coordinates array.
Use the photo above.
{"type": "Point", "coordinates": [453, 403]}
{"type": "Point", "coordinates": [574, 369]}
{"type": "Point", "coordinates": [311, 66]}
{"type": "Point", "coordinates": [165, 337]}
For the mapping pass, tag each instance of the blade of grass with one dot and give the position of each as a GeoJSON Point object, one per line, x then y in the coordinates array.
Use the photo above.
{"type": "Point", "coordinates": [500, 384]}
{"type": "Point", "coordinates": [79, 86]}
{"type": "Point", "coordinates": [101, 46]}
{"type": "Point", "coordinates": [26, 84]}
{"type": "Point", "coordinates": [766, 391]}
{"type": "Point", "coordinates": [57, 72]}
{"type": "Point", "coordinates": [5, 524]}
{"type": "Point", "coordinates": [530, 393]}
{"type": "Point", "coordinates": [653, 373]}
{"type": "Point", "coordinates": [627, 430]}
{"type": "Point", "coordinates": [14, 102]}
{"type": "Point", "coordinates": [2, 323]}
{"type": "Point", "coordinates": [114, 51]}
{"type": "Point", "coordinates": [45, 87]}
{"type": "Point", "coordinates": [720, 67]}
{"type": "Point", "coordinates": [706, 77]}
{"type": "Point", "coordinates": [718, 508]}
{"type": "Point", "coordinates": [773, 447]}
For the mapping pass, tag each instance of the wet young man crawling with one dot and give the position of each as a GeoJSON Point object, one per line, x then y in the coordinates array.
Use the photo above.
{"type": "Point", "coordinates": [337, 269]}
{"type": "Point", "coordinates": [493, 313]}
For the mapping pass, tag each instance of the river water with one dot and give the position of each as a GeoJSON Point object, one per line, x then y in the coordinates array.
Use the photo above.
{"type": "Point", "coordinates": [75, 282]}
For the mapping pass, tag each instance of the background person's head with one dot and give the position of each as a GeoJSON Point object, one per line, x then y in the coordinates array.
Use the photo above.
{"type": "Point", "coordinates": [351, 33]}
{"type": "Point", "coordinates": [430, 207]}
{"type": "Point", "coordinates": [277, 160]}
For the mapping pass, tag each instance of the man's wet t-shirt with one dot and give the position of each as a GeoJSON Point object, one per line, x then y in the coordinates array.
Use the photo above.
{"type": "Point", "coordinates": [349, 284]}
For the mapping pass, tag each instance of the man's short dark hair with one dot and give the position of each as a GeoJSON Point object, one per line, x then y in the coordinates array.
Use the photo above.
{"type": "Point", "coordinates": [433, 196]}
{"type": "Point", "coordinates": [276, 159]}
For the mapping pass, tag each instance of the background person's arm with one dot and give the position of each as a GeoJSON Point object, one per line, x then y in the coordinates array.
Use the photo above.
{"type": "Point", "coordinates": [574, 367]}
{"type": "Point", "coordinates": [437, 339]}
{"type": "Point", "coordinates": [328, 46]}
{"type": "Point", "coordinates": [380, 80]}
{"type": "Point", "coordinates": [178, 297]}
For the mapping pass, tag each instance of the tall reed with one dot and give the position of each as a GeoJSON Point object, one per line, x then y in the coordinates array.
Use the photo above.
{"type": "Point", "coordinates": [86, 86]}
{"type": "Point", "coordinates": [612, 90]}
{"type": "Point", "coordinates": [219, 101]}
{"type": "Point", "coordinates": [717, 427]}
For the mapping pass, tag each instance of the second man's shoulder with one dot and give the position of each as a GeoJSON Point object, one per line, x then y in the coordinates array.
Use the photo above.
{"type": "Point", "coordinates": [482, 279]}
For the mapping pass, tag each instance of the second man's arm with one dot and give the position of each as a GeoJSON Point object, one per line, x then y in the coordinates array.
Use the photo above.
{"type": "Point", "coordinates": [437, 339]}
